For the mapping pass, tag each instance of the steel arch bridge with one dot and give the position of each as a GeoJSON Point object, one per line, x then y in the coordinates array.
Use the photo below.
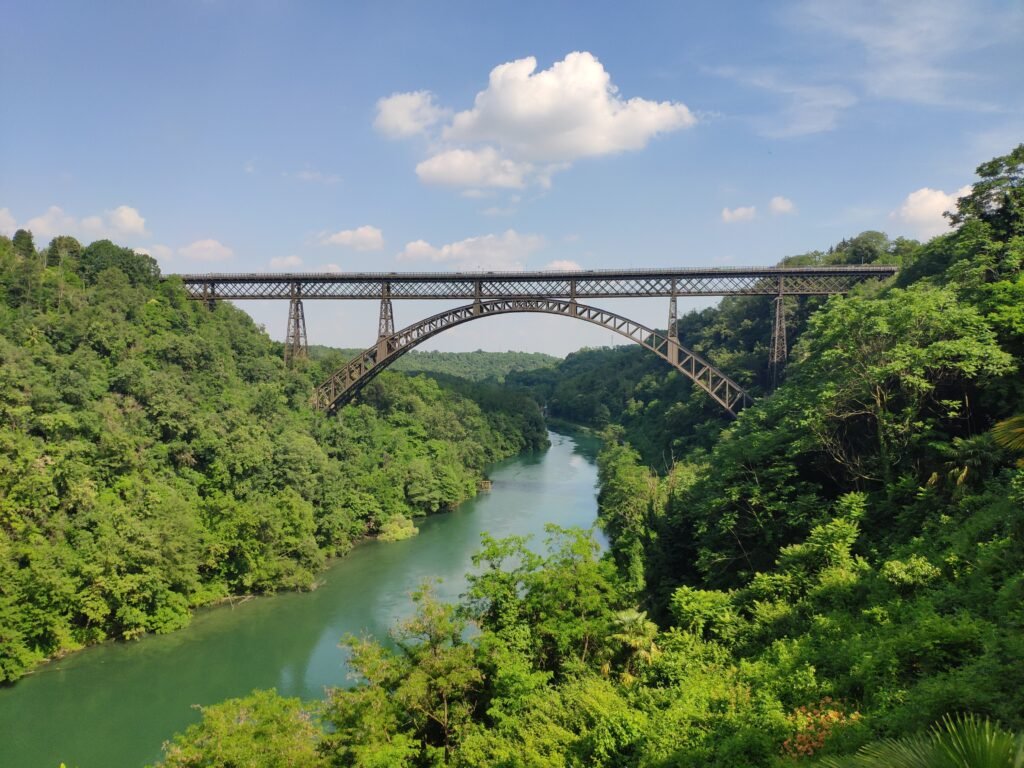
{"type": "Point", "coordinates": [551, 292]}
{"type": "Point", "coordinates": [346, 382]}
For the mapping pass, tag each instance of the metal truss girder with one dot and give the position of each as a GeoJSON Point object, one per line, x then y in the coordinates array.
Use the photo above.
{"type": "Point", "coordinates": [347, 381]}
{"type": "Point", "coordinates": [725, 281]}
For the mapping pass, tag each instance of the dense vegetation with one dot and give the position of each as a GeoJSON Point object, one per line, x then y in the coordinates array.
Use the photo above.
{"type": "Point", "coordinates": [474, 366]}
{"type": "Point", "coordinates": [156, 455]}
{"type": "Point", "coordinates": [844, 562]}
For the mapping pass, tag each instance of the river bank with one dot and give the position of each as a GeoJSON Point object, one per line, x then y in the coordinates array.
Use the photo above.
{"type": "Point", "coordinates": [111, 706]}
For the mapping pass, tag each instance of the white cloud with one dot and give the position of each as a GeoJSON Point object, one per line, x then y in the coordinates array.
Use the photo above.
{"type": "Point", "coordinates": [922, 210]}
{"type": "Point", "coordinates": [330, 268]}
{"type": "Point", "coordinates": [206, 250]}
{"type": "Point", "coordinates": [473, 168]}
{"type": "Point", "coordinates": [161, 253]}
{"type": "Point", "coordinates": [402, 115]}
{"type": "Point", "coordinates": [743, 213]}
{"type": "Point", "coordinates": [559, 114]}
{"type": "Point", "coordinates": [249, 167]}
{"type": "Point", "coordinates": [527, 125]}
{"type": "Point", "coordinates": [52, 223]}
{"type": "Point", "coordinates": [365, 238]}
{"type": "Point", "coordinates": [780, 205]}
{"type": "Point", "coordinates": [508, 251]}
{"type": "Point", "coordinates": [121, 222]}
{"type": "Point", "coordinates": [126, 220]}
{"type": "Point", "coordinates": [286, 262]}
{"type": "Point", "coordinates": [562, 265]}
{"type": "Point", "coordinates": [311, 176]}
{"type": "Point", "coordinates": [8, 224]}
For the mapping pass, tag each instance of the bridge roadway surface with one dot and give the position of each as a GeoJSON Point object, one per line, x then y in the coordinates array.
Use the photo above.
{"type": "Point", "coordinates": [589, 284]}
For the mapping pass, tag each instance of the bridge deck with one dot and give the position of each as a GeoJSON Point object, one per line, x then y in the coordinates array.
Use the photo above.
{"type": "Point", "coordinates": [722, 281]}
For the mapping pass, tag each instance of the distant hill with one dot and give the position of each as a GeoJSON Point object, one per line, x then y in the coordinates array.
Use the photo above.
{"type": "Point", "coordinates": [475, 366]}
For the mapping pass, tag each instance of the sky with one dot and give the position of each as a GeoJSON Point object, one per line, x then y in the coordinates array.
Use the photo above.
{"type": "Point", "coordinates": [253, 135]}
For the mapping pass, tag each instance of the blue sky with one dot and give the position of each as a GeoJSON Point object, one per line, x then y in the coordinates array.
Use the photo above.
{"type": "Point", "coordinates": [244, 136]}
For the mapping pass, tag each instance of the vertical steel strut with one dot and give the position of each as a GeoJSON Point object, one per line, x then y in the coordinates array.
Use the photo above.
{"type": "Point", "coordinates": [777, 355]}
{"type": "Point", "coordinates": [295, 344]}
{"type": "Point", "coordinates": [672, 331]}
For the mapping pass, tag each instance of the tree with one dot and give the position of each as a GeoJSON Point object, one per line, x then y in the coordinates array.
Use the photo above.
{"type": "Point", "coordinates": [419, 699]}
{"type": "Point", "coordinates": [23, 244]}
{"type": "Point", "coordinates": [261, 730]}
{"type": "Point", "coordinates": [62, 247]}
{"type": "Point", "coordinates": [998, 198]}
{"type": "Point", "coordinates": [636, 634]}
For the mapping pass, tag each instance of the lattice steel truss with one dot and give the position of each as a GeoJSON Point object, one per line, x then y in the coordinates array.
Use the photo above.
{"type": "Point", "coordinates": [295, 344]}
{"type": "Point", "coordinates": [346, 382]}
{"type": "Point", "coordinates": [726, 281]}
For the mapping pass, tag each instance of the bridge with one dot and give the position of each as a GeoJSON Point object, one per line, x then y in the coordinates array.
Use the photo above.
{"type": "Point", "coordinates": [555, 293]}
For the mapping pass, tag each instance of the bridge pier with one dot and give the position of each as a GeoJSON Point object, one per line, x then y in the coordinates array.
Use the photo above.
{"type": "Point", "coordinates": [672, 332]}
{"type": "Point", "coordinates": [778, 353]}
{"type": "Point", "coordinates": [386, 323]}
{"type": "Point", "coordinates": [295, 344]}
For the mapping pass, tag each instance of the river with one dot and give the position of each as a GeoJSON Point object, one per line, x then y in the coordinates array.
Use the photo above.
{"type": "Point", "coordinates": [113, 705]}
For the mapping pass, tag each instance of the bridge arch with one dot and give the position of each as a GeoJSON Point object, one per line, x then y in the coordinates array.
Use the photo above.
{"type": "Point", "coordinates": [348, 380]}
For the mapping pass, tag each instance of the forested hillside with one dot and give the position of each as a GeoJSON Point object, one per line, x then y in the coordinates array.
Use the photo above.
{"type": "Point", "coordinates": [156, 455]}
{"type": "Point", "coordinates": [844, 562]}
{"type": "Point", "coordinates": [474, 366]}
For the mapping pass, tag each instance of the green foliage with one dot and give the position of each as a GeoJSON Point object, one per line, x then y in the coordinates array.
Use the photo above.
{"type": "Point", "coordinates": [261, 730]}
{"type": "Point", "coordinates": [963, 742]}
{"type": "Point", "coordinates": [24, 246]}
{"type": "Point", "coordinates": [998, 197]}
{"type": "Point", "coordinates": [156, 455]}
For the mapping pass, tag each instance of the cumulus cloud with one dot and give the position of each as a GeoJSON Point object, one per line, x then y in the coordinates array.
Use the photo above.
{"type": "Point", "coordinates": [121, 222]}
{"type": "Point", "coordinates": [743, 213]}
{"type": "Point", "coordinates": [206, 250]}
{"type": "Point", "coordinates": [126, 220]}
{"type": "Point", "coordinates": [562, 265]}
{"type": "Point", "coordinates": [780, 205]}
{"type": "Point", "coordinates": [528, 124]}
{"type": "Point", "coordinates": [365, 238]}
{"type": "Point", "coordinates": [330, 268]}
{"type": "Point", "coordinates": [402, 115]}
{"type": "Point", "coordinates": [922, 210]}
{"type": "Point", "coordinates": [286, 262]}
{"type": "Point", "coordinates": [473, 168]}
{"type": "Point", "coordinates": [53, 222]}
{"type": "Point", "coordinates": [504, 252]}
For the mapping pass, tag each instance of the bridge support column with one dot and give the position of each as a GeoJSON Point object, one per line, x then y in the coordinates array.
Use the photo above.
{"type": "Point", "coordinates": [778, 353]}
{"type": "Point", "coordinates": [386, 323]}
{"type": "Point", "coordinates": [210, 295]}
{"type": "Point", "coordinates": [295, 344]}
{"type": "Point", "coordinates": [672, 332]}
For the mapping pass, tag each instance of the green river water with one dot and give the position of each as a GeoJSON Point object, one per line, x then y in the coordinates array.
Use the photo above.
{"type": "Point", "coordinates": [113, 705]}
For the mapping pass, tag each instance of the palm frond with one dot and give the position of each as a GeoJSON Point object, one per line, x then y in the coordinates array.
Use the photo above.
{"type": "Point", "coordinates": [1010, 432]}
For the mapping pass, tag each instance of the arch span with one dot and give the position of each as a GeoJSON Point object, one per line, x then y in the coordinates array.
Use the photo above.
{"type": "Point", "coordinates": [346, 382]}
